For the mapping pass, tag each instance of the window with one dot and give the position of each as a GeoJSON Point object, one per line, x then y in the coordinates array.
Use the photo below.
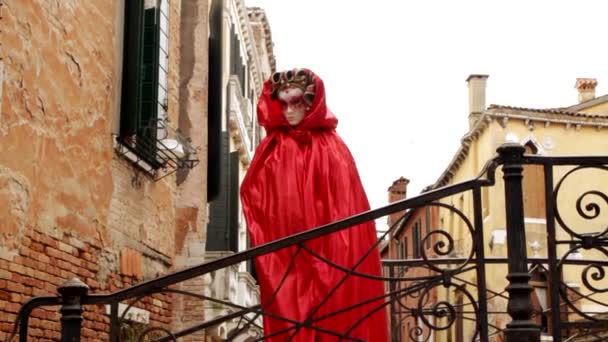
{"type": "Point", "coordinates": [215, 94]}
{"type": "Point", "coordinates": [402, 250]}
{"type": "Point", "coordinates": [533, 184]}
{"type": "Point", "coordinates": [485, 201]}
{"type": "Point", "coordinates": [144, 85]}
{"type": "Point", "coordinates": [399, 249]}
{"type": "Point", "coordinates": [240, 70]}
{"type": "Point", "coordinates": [236, 61]}
{"type": "Point", "coordinates": [427, 223]}
{"type": "Point", "coordinates": [222, 229]}
{"type": "Point", "coordinates": [416, 240]}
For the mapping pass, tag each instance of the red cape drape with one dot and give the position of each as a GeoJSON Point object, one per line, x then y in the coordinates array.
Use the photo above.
{"type": "Point", "coordinates": [300, 178]}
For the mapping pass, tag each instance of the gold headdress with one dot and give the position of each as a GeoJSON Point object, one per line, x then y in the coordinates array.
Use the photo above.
{"type": "Point", "coordinates": [300, 78]}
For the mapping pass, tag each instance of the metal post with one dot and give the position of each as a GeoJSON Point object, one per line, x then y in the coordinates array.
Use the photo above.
{"type": "Point", "coordinates": [72, 293]}
{"type": "Point", "coordinates": [481, 267]}
{"type": "Point", "coordinates": [521, 328]}
{"type": "Point", "coordinates": [554, 275]}
{"type": "Point", "coordinates": [114, 323]}
{"type": "Point", "coordinates": [394, 321]}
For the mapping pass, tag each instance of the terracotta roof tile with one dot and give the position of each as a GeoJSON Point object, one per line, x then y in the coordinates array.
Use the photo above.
{"type": "Point", "coordinates": [549, 110]}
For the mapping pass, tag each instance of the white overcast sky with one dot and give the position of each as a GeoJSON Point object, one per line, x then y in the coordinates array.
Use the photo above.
{"type": "Point", "coordinates": [395, 70]}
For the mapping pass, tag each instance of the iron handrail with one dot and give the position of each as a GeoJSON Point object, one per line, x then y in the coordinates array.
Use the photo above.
{"type": "Point", "coordinates": [173, 278]}
{"type": "Point", "coordinates": [199, 270]}
{"type": "Point", "coordinates": [486, 177]}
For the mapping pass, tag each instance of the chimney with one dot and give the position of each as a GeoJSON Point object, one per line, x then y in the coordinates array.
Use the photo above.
{"type": "Point", "coordinates": [586, 89]}
{"type": "Point", "coordinates": [477, 97]}
{"type": "Point", "coordinates": [396, 192]}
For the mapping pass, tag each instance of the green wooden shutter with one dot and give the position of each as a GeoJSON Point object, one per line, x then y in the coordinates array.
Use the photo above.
{"type": "Point", "coordinates": [139, 102]}
{"type": "Point", "coordinates": [233, 234]}
{"type": "Point", "coordinates": [217, 229]}
{"type": "Point", "coordinates": [222, 230]}
{"type": "Point", "coordinates": [214, 102]}
{"type": "Point", "coordinates": [147, 121]}
{"type": "Point", "coordinates": [416, 240]}
{"type": "Point", "coordinates": [233, 50]}
{"type": "Point", "coordinates": [131, 79]}
{"type": "Point", "coordinates": [236, 60]}
{"type": "Point", "coordinates": [250, 262]}
{"type": "Point", "coordinates": [242, 75]}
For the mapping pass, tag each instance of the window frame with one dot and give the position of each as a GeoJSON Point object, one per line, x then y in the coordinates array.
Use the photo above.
{"type": "Point", "coordinates": [416, 245]}
{"type": "Point", "coordinates": [144, 95]}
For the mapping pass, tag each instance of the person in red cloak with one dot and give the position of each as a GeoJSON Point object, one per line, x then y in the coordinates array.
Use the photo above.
{"type": "Point", "coordinates": [303, 176]}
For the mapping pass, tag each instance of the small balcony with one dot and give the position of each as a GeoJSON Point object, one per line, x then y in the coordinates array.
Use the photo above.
{"type": "Point", "coordinates": [240, 122]}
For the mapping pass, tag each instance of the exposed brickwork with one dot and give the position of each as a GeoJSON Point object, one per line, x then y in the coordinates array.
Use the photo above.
{"type": "Point", "coordinates": [195, 307]}
{"type": "Point", "coordinates": [43, 264]}
{"type": "Point", "coordinates": [401, 243]}
{"type": "Point", "coordinates": [396, 192]}
{"type": "Point", "coordinates": [69, 205]}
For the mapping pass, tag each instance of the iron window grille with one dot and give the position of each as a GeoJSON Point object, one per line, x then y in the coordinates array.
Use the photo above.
{"type": "Point", "coordinates": [145, 138]}
{"type": "Point", "coordinates": [158, 155]}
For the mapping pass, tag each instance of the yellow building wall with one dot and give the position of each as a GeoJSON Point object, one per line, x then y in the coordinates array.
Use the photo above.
{"type": "Point", "coordinates": [552, 140]}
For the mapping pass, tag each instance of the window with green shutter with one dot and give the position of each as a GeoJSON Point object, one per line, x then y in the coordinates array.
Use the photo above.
{"type": "Point", "coordinates": [223, 226]}
{"type": "Point", "coordinates": [416, 240]}
{"type": "Point", "coordinates": [218, 229]}
{"type": "Point", "coordinates": [144, 86]}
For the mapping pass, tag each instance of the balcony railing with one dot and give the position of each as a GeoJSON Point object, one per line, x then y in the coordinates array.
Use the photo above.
{"type": "Point", "coordinates": [241, 113]}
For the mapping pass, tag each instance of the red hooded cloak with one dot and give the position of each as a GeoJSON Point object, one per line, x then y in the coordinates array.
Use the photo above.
{"type": "Point", "coordinates": [300, 178]}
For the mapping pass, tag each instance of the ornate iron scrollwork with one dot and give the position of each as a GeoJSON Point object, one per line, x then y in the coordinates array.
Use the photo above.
{"type": "Point", "coordinates": [421, 291]}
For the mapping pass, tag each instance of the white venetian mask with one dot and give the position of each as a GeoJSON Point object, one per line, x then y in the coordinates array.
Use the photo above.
{"type": "Point", "coordinates": [294, 107]}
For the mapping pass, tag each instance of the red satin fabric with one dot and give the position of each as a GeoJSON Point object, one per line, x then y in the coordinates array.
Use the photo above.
{"type": "Point", "coordinates": [300, 178]}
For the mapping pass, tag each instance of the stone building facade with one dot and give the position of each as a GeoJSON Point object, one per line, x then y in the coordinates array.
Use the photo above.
{"type": "Point", "coordinates": [104, 144]}
{"type": "Point", "coordinates": [249, 62]}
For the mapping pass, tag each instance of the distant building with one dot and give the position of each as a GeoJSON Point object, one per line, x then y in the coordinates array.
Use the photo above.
{"type": "Point", "coordinates": [249, 62]}
{"type": "Point", "coordinates": [410, 237]}
{"type": "Point", "coordinates": [578, 130]}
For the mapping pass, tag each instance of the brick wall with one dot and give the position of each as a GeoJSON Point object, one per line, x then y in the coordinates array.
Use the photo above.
{"type": "Point", "coordinates": [44, 262]}
{"type": "Point", "coordinates": [405, 236]}
{"type": "Point", "coordinates": [69, 206]}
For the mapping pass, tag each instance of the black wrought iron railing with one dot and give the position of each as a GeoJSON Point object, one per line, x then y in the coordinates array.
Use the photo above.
{"type": "Point", "coordinates": [483, 291]}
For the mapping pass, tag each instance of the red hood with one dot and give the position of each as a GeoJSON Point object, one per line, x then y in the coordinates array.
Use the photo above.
{"type": "Point", "coordinates": [319, 117]}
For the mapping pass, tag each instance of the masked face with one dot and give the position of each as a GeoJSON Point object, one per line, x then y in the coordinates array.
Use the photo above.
{"type": "Point", "coordinates": [294, 107]}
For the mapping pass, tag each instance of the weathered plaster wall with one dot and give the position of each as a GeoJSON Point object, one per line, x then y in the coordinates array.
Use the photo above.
{"type": "Point", "coordinates": [55, 117]}
{"type": "Point", "coordinates": [192, 119]}
{"type": "Point", "coordinates": [191, 203]}
{"type": "Point", "coordinates": [69, 206]}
